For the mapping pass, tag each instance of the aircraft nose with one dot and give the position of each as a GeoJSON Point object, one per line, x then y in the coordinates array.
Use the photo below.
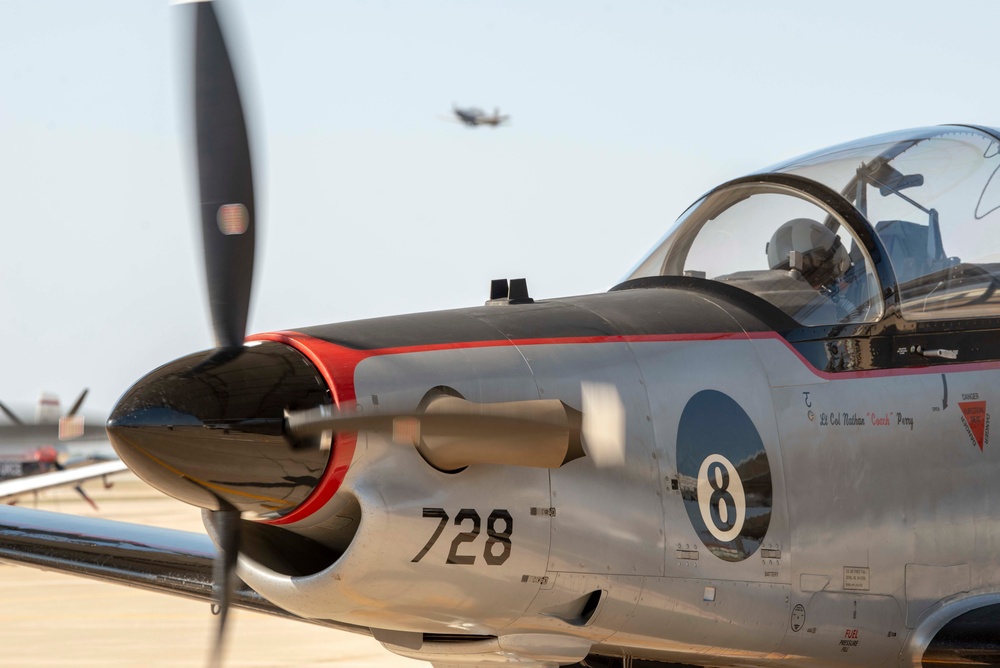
{"type": "Point", "coordinates": [208, 430]}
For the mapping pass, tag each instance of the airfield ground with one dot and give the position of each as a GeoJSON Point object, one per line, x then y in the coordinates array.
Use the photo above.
{"type": "Point", "coordinates": [49, 619]}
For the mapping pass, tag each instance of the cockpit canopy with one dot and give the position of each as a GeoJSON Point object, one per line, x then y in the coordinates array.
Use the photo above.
{"type": "Point", "coordinates": [908, 220]}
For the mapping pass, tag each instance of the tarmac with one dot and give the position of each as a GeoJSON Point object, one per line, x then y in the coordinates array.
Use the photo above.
{"type": "Point", "coordinates": [51, 619]}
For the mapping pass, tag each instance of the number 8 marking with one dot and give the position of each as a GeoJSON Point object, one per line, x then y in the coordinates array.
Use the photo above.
{"type": "Point", "coordinates": [720, 498]}
{"type": "Point", "coordinates": [501, 538]}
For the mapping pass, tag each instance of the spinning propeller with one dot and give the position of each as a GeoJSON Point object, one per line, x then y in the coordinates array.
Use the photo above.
{"type": "Point", "coordinates": [11, 415]}
{"type": "Point", "coordinates": [225, 180]}
{"type": "Point", "coordinates": [16, 419]}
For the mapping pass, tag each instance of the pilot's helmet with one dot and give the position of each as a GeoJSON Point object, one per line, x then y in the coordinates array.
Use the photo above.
{"type": "Point", "coordinates": [818, 253]}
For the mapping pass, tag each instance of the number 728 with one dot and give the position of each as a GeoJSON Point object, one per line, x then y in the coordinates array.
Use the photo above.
{"type": "Point", "coordinates": [492, 554]}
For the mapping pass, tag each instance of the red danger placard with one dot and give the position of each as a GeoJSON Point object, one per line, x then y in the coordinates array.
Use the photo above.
{"type": "Point", "coordinates": [975, 417]}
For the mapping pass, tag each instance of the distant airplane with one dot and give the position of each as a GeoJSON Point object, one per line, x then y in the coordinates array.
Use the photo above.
{"type": "Point", "coordinates": [474, 117]}
{"type": "Point", "coordinates": [53, 450]}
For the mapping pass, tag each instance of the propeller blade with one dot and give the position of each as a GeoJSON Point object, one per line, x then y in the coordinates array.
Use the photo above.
{"type": "Point", "coordinates": [225, 181]}
{"type": "Point", "coordinates": [227, 529]}
{"type": "Point", "coordinates": [78, 403]}
{"type": "Point", "coordinates": [603, 424]}
{"type": "Point", "coordinates": [10, 414]}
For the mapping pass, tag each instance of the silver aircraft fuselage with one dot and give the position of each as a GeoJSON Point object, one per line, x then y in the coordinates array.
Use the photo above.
{"type": "Point", "coordinates": [864, 495]}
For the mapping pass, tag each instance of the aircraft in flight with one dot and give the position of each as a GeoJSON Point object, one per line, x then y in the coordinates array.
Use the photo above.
{"type": "Point", "coordinates": [770, 445]}
{"type": "Point", "coordinates": [474, 117]}
{"type": "Point", "coordinates": [52, 451]}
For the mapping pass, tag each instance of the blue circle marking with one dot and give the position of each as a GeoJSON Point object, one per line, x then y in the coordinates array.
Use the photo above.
{"type": "Point", "coordinates": [724, 475]}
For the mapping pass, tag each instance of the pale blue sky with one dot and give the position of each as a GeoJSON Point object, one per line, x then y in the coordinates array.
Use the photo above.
{"type": "Point", "coordinates": [623, 113]}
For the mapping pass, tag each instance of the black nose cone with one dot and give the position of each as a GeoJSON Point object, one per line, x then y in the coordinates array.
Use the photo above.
{"type": "Point", "coordinates": [208, 430]}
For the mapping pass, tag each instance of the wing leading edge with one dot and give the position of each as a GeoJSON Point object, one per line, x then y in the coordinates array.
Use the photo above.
{"type": "Point", "coordinates": [10, 489]}
{"type": "Point", "coordinates": [161, 560]}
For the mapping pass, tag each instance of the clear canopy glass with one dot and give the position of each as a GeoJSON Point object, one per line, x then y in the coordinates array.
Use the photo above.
{"type": "Point", "coordinates": [929, 194]}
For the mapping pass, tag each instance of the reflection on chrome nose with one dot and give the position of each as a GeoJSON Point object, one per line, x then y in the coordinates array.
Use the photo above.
{"type": "Point", "coordinates": [209, 428]}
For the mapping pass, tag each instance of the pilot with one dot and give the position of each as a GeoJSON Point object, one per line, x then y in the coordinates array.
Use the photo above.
{"type": "Point", "coordinates": [812, 250]}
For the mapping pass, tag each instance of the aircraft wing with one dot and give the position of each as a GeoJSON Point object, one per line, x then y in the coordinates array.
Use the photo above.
{"type": "Point", "coordinates": [33, 483]}
{"type": "Point", "coordinates": [156, 559]}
